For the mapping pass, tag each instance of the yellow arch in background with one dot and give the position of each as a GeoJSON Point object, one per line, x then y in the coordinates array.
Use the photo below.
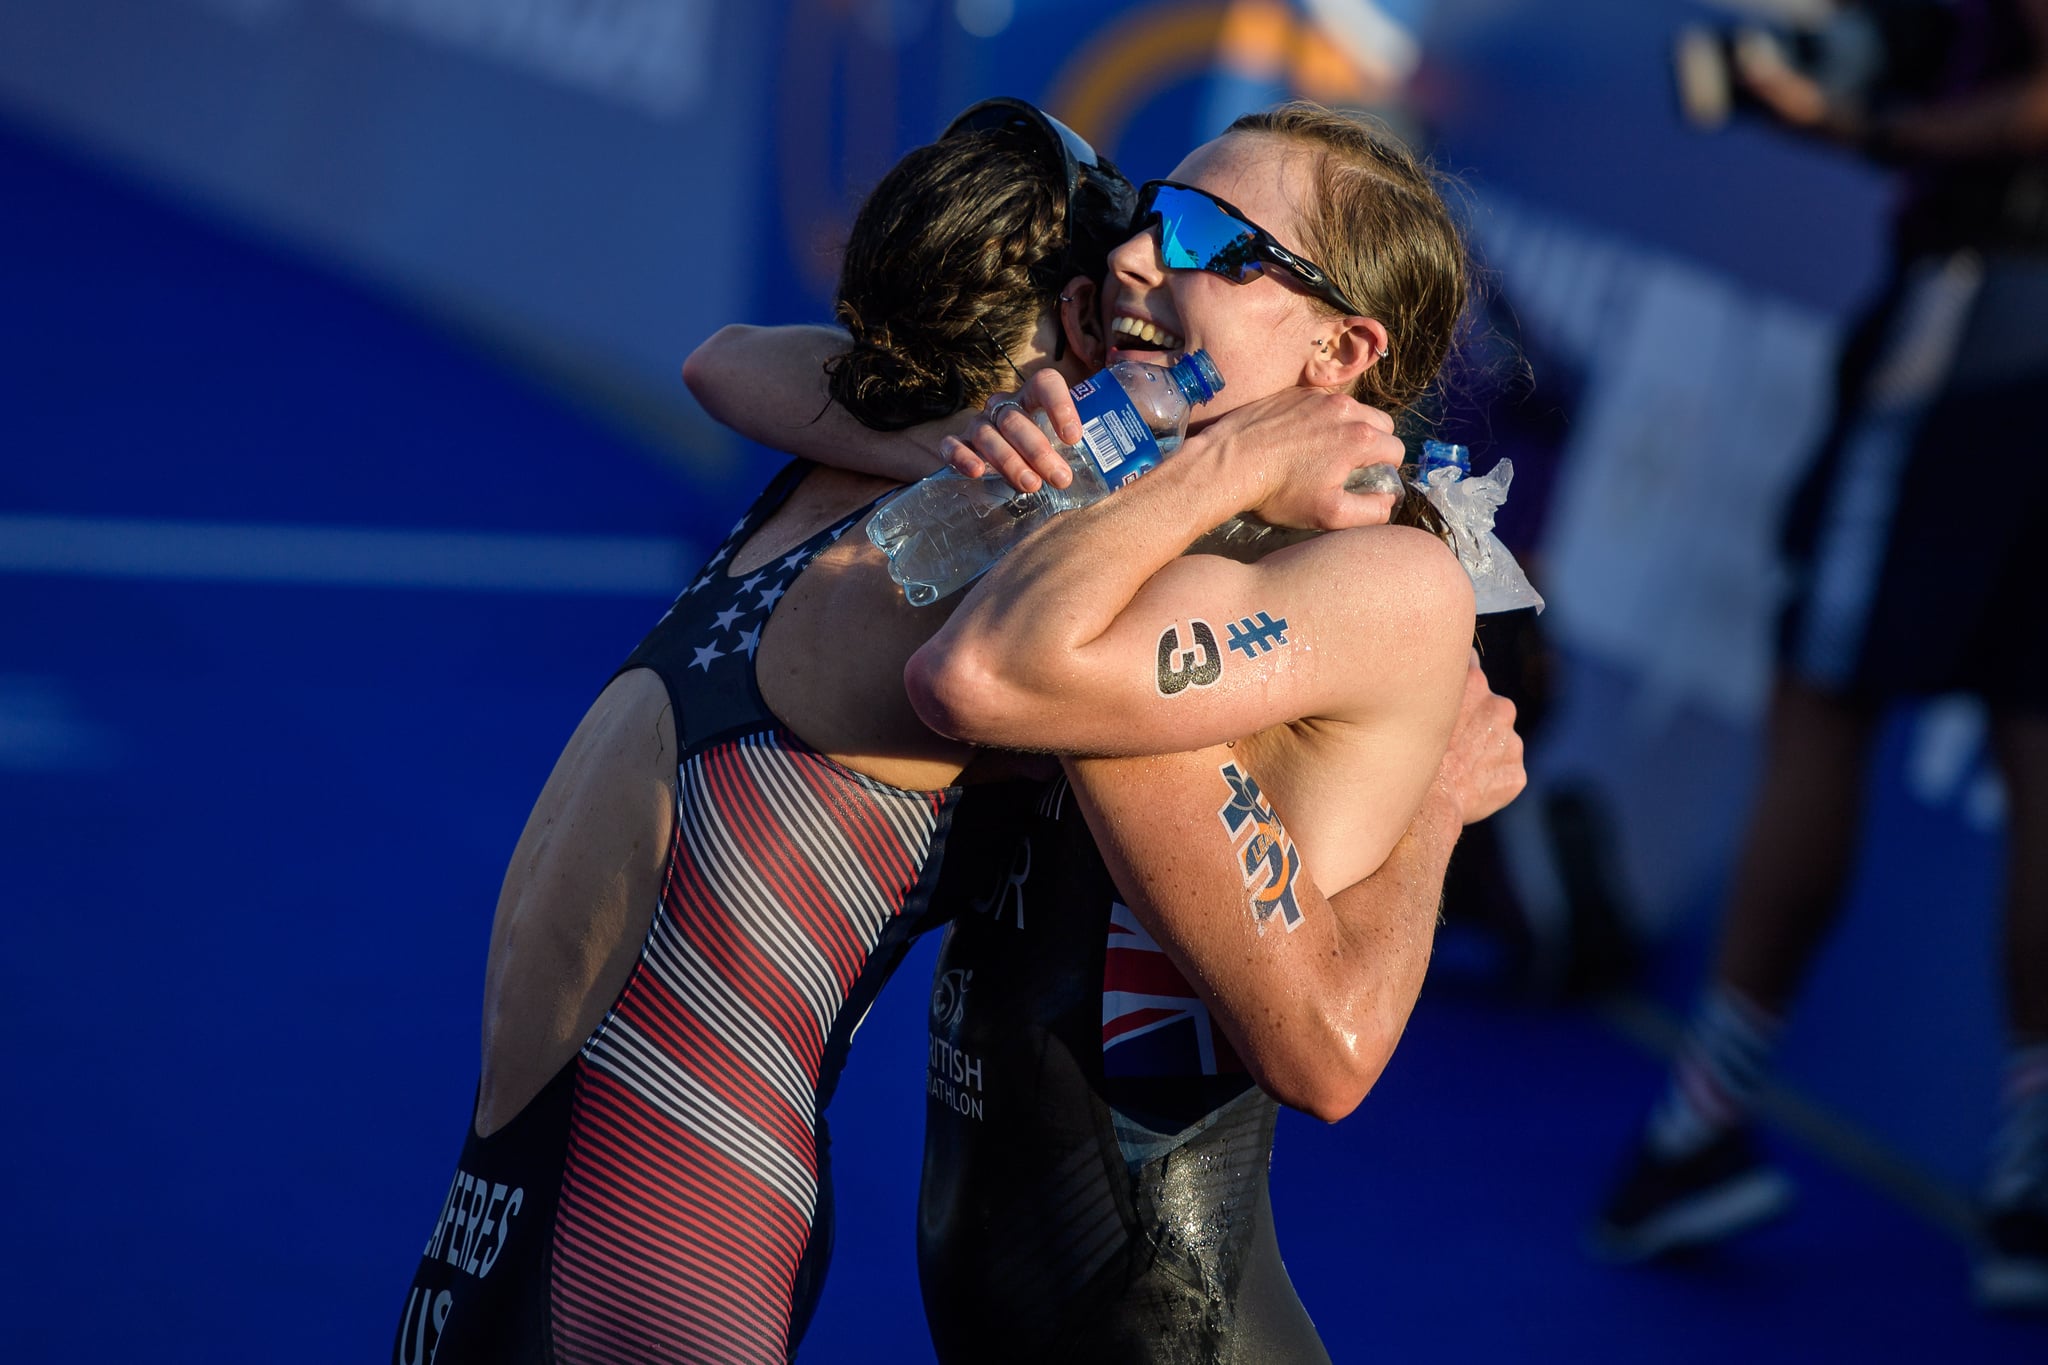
{"type": "Point", "coordinates": [1146, 50]}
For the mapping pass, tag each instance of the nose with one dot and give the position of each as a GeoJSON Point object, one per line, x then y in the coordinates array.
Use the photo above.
{"type": "Point", "coordinates": [1137, 260]}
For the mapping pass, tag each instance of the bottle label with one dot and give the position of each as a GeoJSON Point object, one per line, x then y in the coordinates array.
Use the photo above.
{"type": "Point", "coordinates": [1117, 439]}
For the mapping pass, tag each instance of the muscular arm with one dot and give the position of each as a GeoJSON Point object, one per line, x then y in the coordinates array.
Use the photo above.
{"type": "Point", "coordinates": [1098, 637]}
{"type": "Point", "coordinates": [1206, 649]}
{"type": "Point", "coordinates": [1316, 1009]}
{"type": "Point", "coordinates": [1077, 639]}
{"type": "Point", "coordinates": [768, 384]}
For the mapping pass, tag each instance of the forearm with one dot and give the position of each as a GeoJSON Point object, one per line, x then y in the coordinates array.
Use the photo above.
{"type": "Point", "coordinates": [2003, 119]}
{"type": "Point", "coordinates": [1041, 606]}
{"type": "Point", "coordinates": [1322, 1019]}
{"type": "Point", "coordinates": [1315, 1005]}
{"type": "Point", "coordinates": [1388, 925]}
{"type": "Point", "coordinates": [769, 385]}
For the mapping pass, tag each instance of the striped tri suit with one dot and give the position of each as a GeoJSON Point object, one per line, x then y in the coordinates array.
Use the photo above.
{"type": "Point", "coordinates": [666, 1197]}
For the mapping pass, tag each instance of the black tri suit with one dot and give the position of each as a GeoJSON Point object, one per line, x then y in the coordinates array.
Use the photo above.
{"type": "Point", "coordinates": [1095, 1154]}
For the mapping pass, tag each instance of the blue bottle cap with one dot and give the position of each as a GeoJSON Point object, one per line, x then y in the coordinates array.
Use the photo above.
{"type": "Point", "coordinates": [1443, 455]}
{"type": "Point", "coordinates": [1197, 376]}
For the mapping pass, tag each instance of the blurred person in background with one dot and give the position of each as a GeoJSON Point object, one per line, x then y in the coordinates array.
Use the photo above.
{"type": "Point", "coordinates": [1903, 586]}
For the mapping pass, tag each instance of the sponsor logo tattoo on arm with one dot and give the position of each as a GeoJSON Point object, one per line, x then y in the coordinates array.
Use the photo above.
{"type": "Point", "coordinates": [1271, 861]}
{"type": "Point", "coordinates": [1252, 636]}
{"type": "Point", "coordinates": [1196, 666]}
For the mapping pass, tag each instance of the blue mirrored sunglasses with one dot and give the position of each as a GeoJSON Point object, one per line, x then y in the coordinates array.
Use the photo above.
{"type": "Point", "coordinates": [1198, 231]}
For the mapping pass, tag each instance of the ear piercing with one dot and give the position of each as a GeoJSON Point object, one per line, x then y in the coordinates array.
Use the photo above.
{"type": "Point", "coordinates": [1383, 352]}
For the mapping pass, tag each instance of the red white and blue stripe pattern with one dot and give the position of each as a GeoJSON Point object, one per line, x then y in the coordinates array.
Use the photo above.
{"type": "Point", "coordinates": [1153, 1023]}
{"type": "Point", "coordinates": [692, 1178]}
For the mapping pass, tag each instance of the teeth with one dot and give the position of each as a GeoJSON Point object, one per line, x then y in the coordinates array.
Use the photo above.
{"type": "Point", "coordinates": [1147, 333]}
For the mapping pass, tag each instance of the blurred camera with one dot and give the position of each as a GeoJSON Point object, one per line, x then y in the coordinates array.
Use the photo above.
{"type": "Point", "coordinates": [1863, 52]}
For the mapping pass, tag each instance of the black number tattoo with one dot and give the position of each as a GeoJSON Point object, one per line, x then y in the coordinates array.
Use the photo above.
{"type": "Point", "coordinates": [1196, 666]}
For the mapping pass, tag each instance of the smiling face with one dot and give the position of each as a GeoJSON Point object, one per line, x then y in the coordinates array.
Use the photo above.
{"type": "Point", "coordinates": [1263, 335]}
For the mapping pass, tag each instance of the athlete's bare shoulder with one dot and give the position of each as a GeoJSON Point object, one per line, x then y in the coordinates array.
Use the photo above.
{"type": "Point", "coordinates": [824, 496]}
{"type": "Point", "coordinates": [579, 893]}
{"type": "Point", "coordinates": [1376, 561]}
{"type": "Point", "coordinates": [831, 664]}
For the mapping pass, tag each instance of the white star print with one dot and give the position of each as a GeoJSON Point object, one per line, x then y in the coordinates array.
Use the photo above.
{"type": "Point", "coordinates": [728, 616]}
{"type": "Point", "coordinates": [769, 596]}
{"type": "Point", "coordinates": [705, 654]}
{"type": "Point", "coordinates": [794, 560]}
{"type": "Point", "coordinates": [700, 582]}
{"type": "Point", "coordinates": [750, 640]}
{"type": "Point", "coordinates": [719, 558]}
{"type": "Point", "coordinates": [749, 585]}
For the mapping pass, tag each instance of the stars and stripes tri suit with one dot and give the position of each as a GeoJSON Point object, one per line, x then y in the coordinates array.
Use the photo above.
{"type": "Point", "coordinates": [1096, 1155]}
{"type": "Point", "coordinates": [666, 1196]}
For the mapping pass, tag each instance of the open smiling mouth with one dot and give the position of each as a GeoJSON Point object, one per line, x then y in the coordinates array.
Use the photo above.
{"type": "Point", "coordinates": [1145, 334]}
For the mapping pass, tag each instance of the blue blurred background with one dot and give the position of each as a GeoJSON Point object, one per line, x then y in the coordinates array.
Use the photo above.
{"type": "Point", "coordinates": [342, 455]}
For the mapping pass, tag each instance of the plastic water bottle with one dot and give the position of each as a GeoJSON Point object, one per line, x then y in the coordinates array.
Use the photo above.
{"type": "Point", "coordinates": [943, 532]}
{"type": "Point", "coordinates": [1385, 478]}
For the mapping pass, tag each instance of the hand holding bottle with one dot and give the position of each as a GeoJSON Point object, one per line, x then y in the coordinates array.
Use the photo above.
{"type": "Point", "coordinates": [943, 532]}
{"type": "Point", "coordinates": [1308, 459]}
{"type": "Point", "coordinates": [1298, 432]}
{"type": "Point", "coordinates": [1017, 436]}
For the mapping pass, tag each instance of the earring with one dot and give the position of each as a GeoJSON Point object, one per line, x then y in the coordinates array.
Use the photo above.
{"type": "Point", "coordinates": [1066, 298]}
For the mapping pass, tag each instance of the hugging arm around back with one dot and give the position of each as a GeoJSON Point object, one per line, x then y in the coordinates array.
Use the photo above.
{"type": "Point", "coordinates": [1313, 991]}
{"type": "Point", "coordinates": [768, 384]}
{"type": "Point", "coordinates": [1077, 635]}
